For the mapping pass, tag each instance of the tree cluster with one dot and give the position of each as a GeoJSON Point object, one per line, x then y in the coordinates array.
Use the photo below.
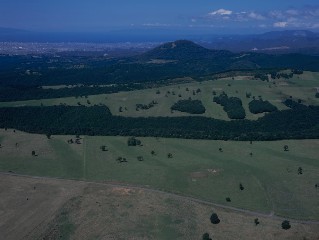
{"type": "Point", "coordinates": [294, 105]}
{"type": "Point", "coordinates": [145, 106]}
{"type": "Point", "coordinates": [262, 77]}
{"type": "Point", "coordinates": [260, 106]}
{"type": "Point", "coordinates": [132, 141]}
{"type": "Point", "coordinates": [232, 106]}
{"type": "Point", "coordinates": [189, 106]}
{"type": "Point", "coordinates": [277, 75]}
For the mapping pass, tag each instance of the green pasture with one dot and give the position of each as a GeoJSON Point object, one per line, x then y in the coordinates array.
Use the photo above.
{"type": "Point", "coordinates": [198, 168]}
{"type": "Point", "coordinates": [299, 87]}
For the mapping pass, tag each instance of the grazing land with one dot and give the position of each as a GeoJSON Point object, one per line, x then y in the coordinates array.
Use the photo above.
{"type": "Point", "coordinates": [209, 170]}
{"type": "Point", "coordinates": [301, 87]}
{"type": "Point", "coordinates": [115, 147]}
{"type": "Point", "coordinates": [43, 208]}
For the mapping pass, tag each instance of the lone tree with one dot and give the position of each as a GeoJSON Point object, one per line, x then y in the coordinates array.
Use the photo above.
{"type": "Point", "coordinates": [285, 225]}
{"type": "Point", "coordinates": [169, 155]}
{"type": "Point", "coordinates": [286, 148]}
{"type": "Point", "coordinates": [132, 141]}
{"type": "Point", "coordinates": [241, 187]}
{"type": "Point", "coordinates": [33, 153]}
{"type": "Point", "coordinates": [214, 219]}
{"type": "Point", "coordinates": [228, 199]}
{"type": "Point", "coordinates": [48, 136]}
{"type": "Point", "coordinates": [153, 153]}
{"type": "Point", "coordinates": [103, 148]}
{"type": "Point", "coordinates": [140, 158]}
{"type": "Point", "coordinates": [206, 237]}
{"type": "Point", "coordinates": [256, 221]}
{"type": "Point", "coordinates": [220, 150]}
{"type": "Point", "coordinates": [299, 170]}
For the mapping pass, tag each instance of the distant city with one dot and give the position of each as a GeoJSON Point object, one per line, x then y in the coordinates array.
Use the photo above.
{"type": "Point", "coordinates": [288, 41]}
{"type": "Point", "coordinates": [24, 48]}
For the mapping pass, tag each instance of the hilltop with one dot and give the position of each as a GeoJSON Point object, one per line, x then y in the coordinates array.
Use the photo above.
{"type": "Point", "coordinates": [183, 50]}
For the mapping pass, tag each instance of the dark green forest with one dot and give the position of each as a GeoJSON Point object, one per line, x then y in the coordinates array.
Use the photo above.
{"type": "Point", "coordinates": [296, 123]}
{"type": "Point", "coordinates": [189, 106]}
{"type": "Point", "coordinates": [22, 93]}
{"type": "Point", "coordinates": [261, 106]}
{"type": "Point", "coordinates": [232, 106]}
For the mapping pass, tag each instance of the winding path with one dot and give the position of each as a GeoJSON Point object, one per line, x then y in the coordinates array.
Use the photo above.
{"type": "Point", "coordinates": [173, 195]}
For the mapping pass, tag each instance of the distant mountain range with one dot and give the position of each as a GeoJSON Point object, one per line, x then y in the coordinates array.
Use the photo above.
{"type": "Point", "coordinates": [201, 59]}
{"type": "Point", "coordinates": [167, 61]}
{"type": "Point", "coordinates": [297, 41]}
{"type": "Point", "coordinates": [290, 41]}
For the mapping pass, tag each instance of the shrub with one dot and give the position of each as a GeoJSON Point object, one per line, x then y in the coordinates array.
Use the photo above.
{"type": "Point", "coordinates": [132, 141]}
{"type": "Point", "coordinates": [285, 225]}
{"type": "Point", "coordinates": [206, 237]}
{"type": "Point", "coordinates": [214, 219]}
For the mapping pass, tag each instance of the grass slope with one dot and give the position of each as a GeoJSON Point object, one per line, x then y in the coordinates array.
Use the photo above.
{"type": "Point", "coordinates": [197, 168]}
{"type": "Point", "coordinates": [62, 209]}
{"type": "Point", "coordinates": [299, 87]}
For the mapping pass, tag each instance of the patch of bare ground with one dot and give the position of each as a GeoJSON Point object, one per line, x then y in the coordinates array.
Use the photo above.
{"type": "Point", "coordinates": [65, 209]}
{"type": "Point", "coordinates": [28, 203]}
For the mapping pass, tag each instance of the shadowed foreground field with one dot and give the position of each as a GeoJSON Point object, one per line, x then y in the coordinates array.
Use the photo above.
{"type": "Point", "coordinates": [208, 170]}
{"type": "Point", "coordinates": [36, 208]}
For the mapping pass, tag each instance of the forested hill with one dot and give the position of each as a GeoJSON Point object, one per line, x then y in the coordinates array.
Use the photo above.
{"type": "Point", "coordinates": [187, 52]}
{"type": "Point", "coordinates": [168, 61]}
{"type": "Point", "coordinates": [183, 50]}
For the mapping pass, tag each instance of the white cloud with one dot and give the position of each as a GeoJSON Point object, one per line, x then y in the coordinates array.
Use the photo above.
{"type": "Point", "coordinates": [277, 14]}
{"type": "Point", "coordinates": [263, 25]}
{"type": "Point", "coordinates": [292, 12]}
{"type": "Point", "coordinates": [156, 25]}
{"type": "Point", "coordinates": [304, 17]}
{"type": "Point", "coordinates": [315, 25]}
{"type": "Point", "coordinates": [221, 12]}
{"type": "Point", "coordinates": [256, 16]}
{"type": "Point", "coordinates": [280, 24]}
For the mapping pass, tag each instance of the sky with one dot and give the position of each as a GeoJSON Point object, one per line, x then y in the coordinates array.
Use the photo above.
{"type": "Point", "coordinates": [202, 16]}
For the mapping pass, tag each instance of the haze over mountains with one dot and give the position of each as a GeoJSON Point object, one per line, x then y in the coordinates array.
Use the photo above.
{"type": "Point", "coordinates": [296, 41]}
{"type": "Point", "coordinates": [167, 61]}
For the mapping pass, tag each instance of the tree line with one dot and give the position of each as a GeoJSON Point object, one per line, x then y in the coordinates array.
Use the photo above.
{"type": "Point", "coordinates": [298, 123]}
{"type": "Point", "coordinates": [22, 92]}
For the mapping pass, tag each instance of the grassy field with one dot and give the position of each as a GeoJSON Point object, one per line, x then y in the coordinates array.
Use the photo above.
{"type": "Point", "coordinates": [197, 168]}
{"type": "Point", "coordinates": [62, 209]}
{"type": "Point", "coordinates": [300, 87]}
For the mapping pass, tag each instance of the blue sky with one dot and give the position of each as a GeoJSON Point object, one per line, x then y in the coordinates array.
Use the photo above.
{"type": "Point", "coordinates": [214, 16]}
